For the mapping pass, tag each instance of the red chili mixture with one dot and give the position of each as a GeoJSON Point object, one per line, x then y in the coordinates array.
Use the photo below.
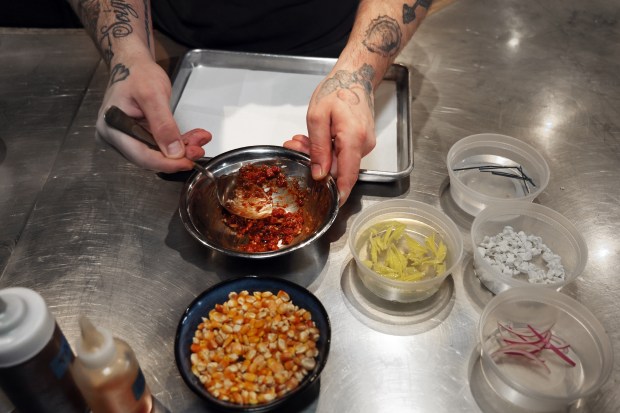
{"type": "Point", "coordinates": [281, 228]}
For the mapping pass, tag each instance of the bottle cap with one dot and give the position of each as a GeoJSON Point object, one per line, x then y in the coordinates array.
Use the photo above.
{"type": "Point", "coordinates": [96, 348]}
{"type": "Point", "coordinates": [26, 325]}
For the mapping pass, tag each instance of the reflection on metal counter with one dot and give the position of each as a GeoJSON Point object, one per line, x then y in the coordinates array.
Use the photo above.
{"type": "Point", "coordinates": [97, 235]}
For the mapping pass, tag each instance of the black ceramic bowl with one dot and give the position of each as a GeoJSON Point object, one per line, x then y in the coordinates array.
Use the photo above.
{"type": "Point", "coordinates": [218, 294]}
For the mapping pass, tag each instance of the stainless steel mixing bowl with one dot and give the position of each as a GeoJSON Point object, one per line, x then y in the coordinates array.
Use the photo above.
{"type": "Point", "coordinates": [202, 215]}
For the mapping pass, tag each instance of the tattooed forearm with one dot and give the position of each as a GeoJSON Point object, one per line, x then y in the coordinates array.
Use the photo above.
{"type": "Point", "coordinates": [89, 10]}
{"type": "Point", "coordinates": [409, 11]}
{"type": "Point", "coordinates": [350, 87]}
{"type": "Point", "coordinates": [105, 23]}
{"type": "Point", "coordinates": [108, 21]}
{"type": "Point", "coordinates": [121, 26]}
{"type": "Point", "coordinates": [383, 36]}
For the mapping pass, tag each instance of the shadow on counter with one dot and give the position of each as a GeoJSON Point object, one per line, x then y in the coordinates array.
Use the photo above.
{"type": "Point", "coordinates": [305, 401]}
{"type": "Point", "coordinates": [303, 266]}
{"type": "Point", "coordinates": [395, 318]}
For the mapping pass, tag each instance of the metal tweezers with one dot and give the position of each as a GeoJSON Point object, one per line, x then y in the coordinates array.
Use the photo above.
{"type": "Point", "coordinates": [493, 169]}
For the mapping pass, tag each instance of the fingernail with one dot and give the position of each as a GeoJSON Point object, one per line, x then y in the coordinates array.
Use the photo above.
{"type": "Point", "coordinates": [317, 171]}
{"type": "Point", "coordinates": [175, 149]}
{"type": "Point", "coordinates": [341, 196]}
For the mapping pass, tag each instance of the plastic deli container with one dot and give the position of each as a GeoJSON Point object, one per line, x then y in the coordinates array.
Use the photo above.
{"type": "Point", "coordinates": [488, 168]}
{"type": "Point", "coordinates": [549, 382]}
{"type": "Point", "coordinates": [421, 220]}
{"type": "Point", "coordinates": [554, 230]}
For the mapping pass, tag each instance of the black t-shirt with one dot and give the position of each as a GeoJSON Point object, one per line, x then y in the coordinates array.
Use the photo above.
{"type": "Point", "coordinates": [295, 27]}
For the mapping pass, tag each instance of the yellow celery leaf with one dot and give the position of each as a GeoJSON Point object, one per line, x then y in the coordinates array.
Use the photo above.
{"type": "Point", "coordinates": [385, 271]}
{"type": "Point", "coordinates": [395, 254]}
{"type": "Point", "coordinates": [414, 246]}
{"type": "Point", "coordinates": [413, 274]}
{"type": "Point", "coordinates": [400, 257]}
{"type": "Point", "coordinates": [392, 259]}
{"type": "Point", "coordinates": [442, 251]}
{"type": "Point", "coordinates": [430, 244]}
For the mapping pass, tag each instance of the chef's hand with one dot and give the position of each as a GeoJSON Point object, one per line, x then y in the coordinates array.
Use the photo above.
{"type": "Point", "coordinates": [341, 128]}
{"type": "Point", "coordinates": [143, 92]}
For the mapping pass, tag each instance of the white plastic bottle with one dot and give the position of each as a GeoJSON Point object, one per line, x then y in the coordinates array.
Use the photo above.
{"type": "Point", "coordinates": [108, 374]}
{"type": "Point", "coordinates": [35, 356]}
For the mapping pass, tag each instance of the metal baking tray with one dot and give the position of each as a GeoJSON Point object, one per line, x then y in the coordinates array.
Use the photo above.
{"type": "Point", "coordinates": [390, 162]}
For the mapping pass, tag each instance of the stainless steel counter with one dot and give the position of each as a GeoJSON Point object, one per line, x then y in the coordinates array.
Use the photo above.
{"type": "Point", "coordinates": [96, 235]}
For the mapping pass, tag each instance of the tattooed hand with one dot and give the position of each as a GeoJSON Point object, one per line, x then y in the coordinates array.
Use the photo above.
{"type": "Point", "coordinates": [341, 127]}
{"type": "Point", "coordinates": [121, 30]}
{"type": "Point", "coordinates": [144, 93]}
{"type": "Point", "coordinates": [340, 116]}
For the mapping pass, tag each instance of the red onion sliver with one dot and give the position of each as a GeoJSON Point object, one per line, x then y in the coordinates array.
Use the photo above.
{"type": "Point", "coordinates": [529, 356]}
{"type": "Point", "coordinates": [555, 349]}
{"type": "Point", "coordinates": [529, 342]}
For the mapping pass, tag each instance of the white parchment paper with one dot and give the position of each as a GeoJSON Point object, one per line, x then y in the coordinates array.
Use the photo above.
{"type": "Point", "coordinates": [242, 107]}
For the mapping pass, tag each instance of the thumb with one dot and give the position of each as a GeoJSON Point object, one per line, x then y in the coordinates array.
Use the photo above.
{"type": "Point", "coordinates": [320, 148]}
{"type": "Point", "coordinates": [164, 129]}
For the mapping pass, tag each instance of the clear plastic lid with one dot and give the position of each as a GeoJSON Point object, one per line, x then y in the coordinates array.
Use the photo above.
{"type": "Point", "coordinates": [26, 325]}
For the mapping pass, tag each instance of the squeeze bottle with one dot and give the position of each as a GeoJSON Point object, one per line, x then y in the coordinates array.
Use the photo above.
{"type": "Point", "coordinates": [108, 374]}
{"type": "Point", "coordinates": [35, 356]}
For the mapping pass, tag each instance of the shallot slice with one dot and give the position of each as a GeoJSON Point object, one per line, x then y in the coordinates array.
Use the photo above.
{"type": "Point", "coordinates": [554, 348]}
{"type": "Point", "coordinates": [530, 343]}
{"type": "Point", "coordinates": [531, 348]}
{"type": "Point", "coordinates": [526, 354]}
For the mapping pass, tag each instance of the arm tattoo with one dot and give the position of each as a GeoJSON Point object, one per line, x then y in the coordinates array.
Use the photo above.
{"type": "Point", "coordinates": [118, 73]}
{"type": "Point", "coordinates": [121, 27]}
{"type": "Point", "coordinates": [89, 10]}
{"type": "Point", "coordinates": [349, 85]}
{"type": "Point", "coordinates": [383, 36]}
{"type": "Point", "coordinates": [409, 11]}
